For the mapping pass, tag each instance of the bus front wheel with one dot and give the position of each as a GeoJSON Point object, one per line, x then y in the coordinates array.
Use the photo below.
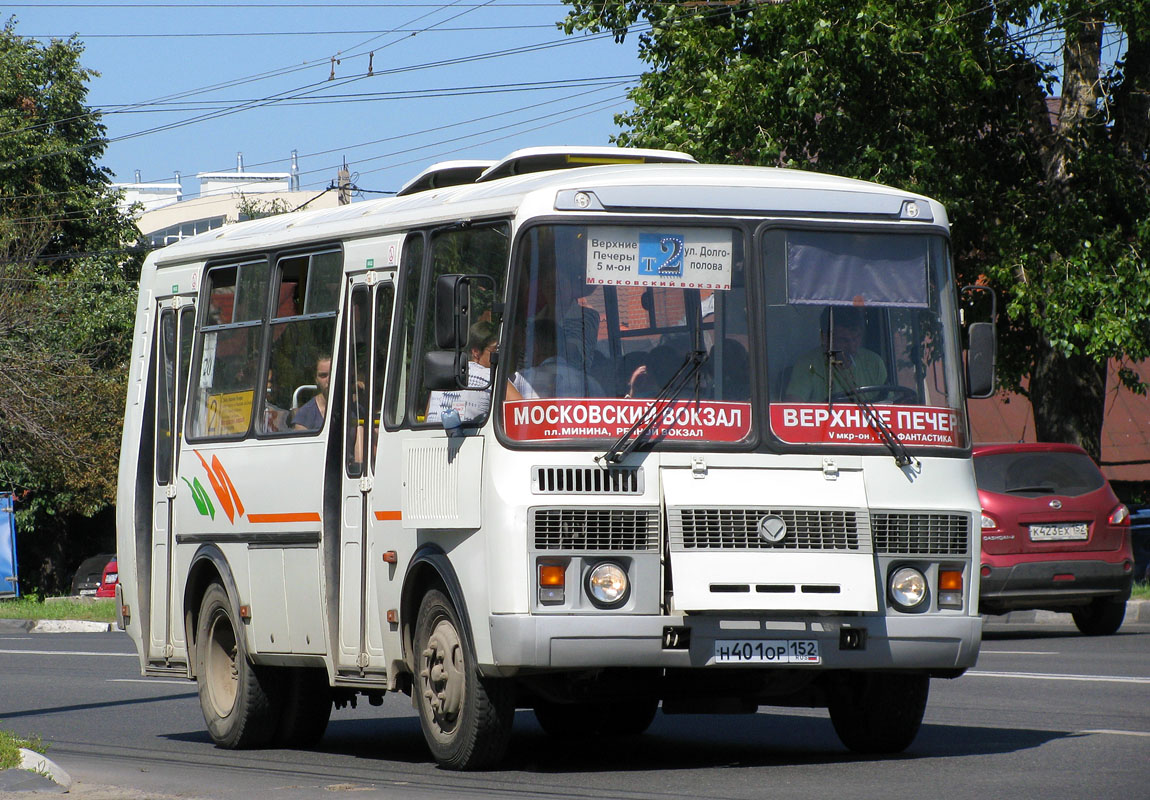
{"type": "Point", "coordinates": [236, 697]}
{"type": "Point", "coordinates": [878, 713]}
{"type": "Point", "coordinates": [466, 718]}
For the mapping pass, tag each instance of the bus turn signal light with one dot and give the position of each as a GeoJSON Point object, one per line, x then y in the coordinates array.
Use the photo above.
{"type": "Point", "coordinates": [552, 584]}
{"type": "Point", "coordinates": [950, 588]}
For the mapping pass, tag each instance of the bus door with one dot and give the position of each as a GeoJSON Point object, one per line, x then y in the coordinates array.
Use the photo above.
{"type": "Point", "coordinates": [172, 350]}
{"type": "Point", "coordinates": [361, 549]}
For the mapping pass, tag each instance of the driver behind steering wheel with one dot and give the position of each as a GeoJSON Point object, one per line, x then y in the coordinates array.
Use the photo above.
{"type": "Point", "coordinates": [855, 365]}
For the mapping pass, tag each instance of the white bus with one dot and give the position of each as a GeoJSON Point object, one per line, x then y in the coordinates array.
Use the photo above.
{"type": "Point", "coordinates": [585, 431]}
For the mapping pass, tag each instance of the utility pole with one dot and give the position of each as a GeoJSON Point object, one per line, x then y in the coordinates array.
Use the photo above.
{"type": "Point", "coordinates": [343, 178]}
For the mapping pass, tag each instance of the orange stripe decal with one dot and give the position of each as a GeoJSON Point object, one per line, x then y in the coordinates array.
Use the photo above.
{"type": "Point", "coordinates": [304, 516]}
{"type": "Point", "coordinates": [221, 491]}
{"type": "Point", "coordinates": [218, 468]}
{"type": "Point", "coordinates": [384, 516]}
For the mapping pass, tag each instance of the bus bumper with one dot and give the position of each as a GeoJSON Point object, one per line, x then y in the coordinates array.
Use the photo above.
{"type": "Point", "coordinates": [947, 644]}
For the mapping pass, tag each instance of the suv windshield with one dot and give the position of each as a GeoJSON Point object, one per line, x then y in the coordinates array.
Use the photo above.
{"type": "Point", "coordinates": [603, 317]}
{"type": "Point", "coordinates": [1032, 474]}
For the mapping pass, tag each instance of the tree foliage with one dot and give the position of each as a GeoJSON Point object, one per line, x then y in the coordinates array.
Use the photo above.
{"type": "Point", "coordinates": [68, 269]}
{"type": "Point", "coordinates": [1049, 196]}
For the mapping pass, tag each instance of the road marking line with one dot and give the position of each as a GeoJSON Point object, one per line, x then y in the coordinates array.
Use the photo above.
{"type": "Point", "coordinates": [148, 680]}
{"type": "Point", "coordinates": [1042, 676]}
{"type": "Point", "coordinates": [1119, 733]}
{"type": "Point", "coordinates": [1017, 652]}
{"type": "Point", "coordinates": [65, 653]}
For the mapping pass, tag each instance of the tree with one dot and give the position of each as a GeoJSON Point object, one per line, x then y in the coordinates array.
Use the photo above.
{"type": "Point", "coordinates": [1049, 196]}
{"type": "Point", "coordinates": [68, 268]}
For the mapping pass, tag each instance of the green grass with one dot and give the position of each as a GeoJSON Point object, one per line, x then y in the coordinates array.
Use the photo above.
{"type": "Point", "coordinates": [59, 608]}
{"type": "Point", "coordinates": [1141, 591]}
{"type": "Point", "coordinates": [10, 745]}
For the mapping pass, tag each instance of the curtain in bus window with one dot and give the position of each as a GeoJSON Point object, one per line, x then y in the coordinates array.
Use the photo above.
{"type": "Point", "coordinates": [825, 268]}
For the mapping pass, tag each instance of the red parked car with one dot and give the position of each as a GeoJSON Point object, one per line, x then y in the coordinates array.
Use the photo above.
{"type": "Point", "coordinates": [108, 580]}
{"type": "Point", "coordinates": [1054, 535]}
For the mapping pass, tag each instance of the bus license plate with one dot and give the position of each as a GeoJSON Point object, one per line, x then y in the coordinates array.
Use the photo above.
{"type": "Point", "coordinates": [767, 651]}
{"type": "Point", "coordinates": [1059, 532]}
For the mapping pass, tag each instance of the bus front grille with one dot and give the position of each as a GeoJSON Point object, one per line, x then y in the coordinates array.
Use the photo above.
{"type": "Point", "coordinates": [908, 533]}
{"type": "Point", "coordinates": [597, 529]}
{"type": "Point", "coordinates": [587, 480]}
{"type": "Point", "coordinates": [738, 529]}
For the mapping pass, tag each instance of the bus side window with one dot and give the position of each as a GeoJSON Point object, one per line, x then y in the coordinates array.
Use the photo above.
{"type": "Point", "coordinates": [476, 250]}
{"type": "Point", "coordinates": [229, 347]}
{"type": "Point", "coordinates": [384, 304]}
{"type": "Point", "coordinates": [301, 337]}
{"type": "Point", "coordinates": [411, 273]}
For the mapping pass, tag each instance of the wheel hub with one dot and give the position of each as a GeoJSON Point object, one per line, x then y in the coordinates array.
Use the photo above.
{"type": "Point", "coordinates": [443, 673]}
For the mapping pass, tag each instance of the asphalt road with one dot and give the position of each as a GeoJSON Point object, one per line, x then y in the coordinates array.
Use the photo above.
{"type": "Point", "coordinates": [1046, 713]}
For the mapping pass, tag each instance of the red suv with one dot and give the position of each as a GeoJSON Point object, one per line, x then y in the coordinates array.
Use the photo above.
{"type": "Point", "coordinates": [1054, 535]}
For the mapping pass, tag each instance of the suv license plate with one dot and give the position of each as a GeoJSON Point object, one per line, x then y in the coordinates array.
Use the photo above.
{"type": "Point", "coordinates": [767, 651]}
{"type": "Point", "coordinates": [1059, 532]}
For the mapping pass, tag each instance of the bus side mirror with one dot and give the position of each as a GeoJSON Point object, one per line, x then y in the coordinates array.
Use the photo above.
{"type": "Point", "coordinates": [980, 360]}
{"type": "Point", "coordinates": [445, 370]}
{"type": "Point", "coordinates": [452, 311]}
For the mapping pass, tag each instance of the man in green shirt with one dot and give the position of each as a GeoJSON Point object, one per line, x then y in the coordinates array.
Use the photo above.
{"type": "Point", "coordinates": [854, 366]}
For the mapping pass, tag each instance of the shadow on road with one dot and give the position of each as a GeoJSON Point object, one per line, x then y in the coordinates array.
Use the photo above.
{"type": "Point", "coordinates": [673, 742]}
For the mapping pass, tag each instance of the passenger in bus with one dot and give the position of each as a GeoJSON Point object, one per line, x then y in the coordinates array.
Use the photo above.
{"type": "Point", "coordinates": [549, 374]}
{"type": "Point", "coordinates": [275, 418]}
{"type": "Point", "coordinates": [471, 404]}
{"type": "Point", "coordinates": [654, 371]}
{"type": "Point", "coordinates": [733, 383]}
{"type": "Point", "coordinates": [855, 365]}
{"type": "Point", "coordinates": [309, 416]}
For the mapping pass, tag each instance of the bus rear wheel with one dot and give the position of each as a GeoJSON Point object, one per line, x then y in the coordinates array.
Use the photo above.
{"type": "Point", "coordinates": [236, 697]}
{"type": "Point", "coordinates": [466, 718]}
{"type": "Point", "coordinates": [306, 707]}
{"type": "Point", "coordinates": [878, 713]}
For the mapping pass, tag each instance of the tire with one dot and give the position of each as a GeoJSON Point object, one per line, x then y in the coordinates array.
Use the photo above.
{"type": "Point", "coordinates": [466, 718]}
{"type": "Point", "coordinates": [878, 713]}
{"type": "Point", "coordinates": [306, 706]}
{"type": "Point", "coordinates": [237, 698]}
{"type": "Point", "coordinates": [1101, 617]}
{"type": "Point", "coordinates": [614, 720]}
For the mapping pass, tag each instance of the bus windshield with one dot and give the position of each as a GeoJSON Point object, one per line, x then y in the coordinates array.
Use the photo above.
{"type": "Point", "coordinates": [604, 318]}
{"type": "Point", "coordinates": [859, 348]}
{"type": "Point", "coordinates": [861, 324]}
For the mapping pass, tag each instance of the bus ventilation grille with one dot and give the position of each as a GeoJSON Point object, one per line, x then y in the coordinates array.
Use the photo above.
{"type": "Point", "coordinates": [921, 534]}
{"type": "Point", "coordinates": [614, 529]}
{"type": "Point", "coordinates": [586, 480]}
{"type": "Point", "coordinates": [738, 529]}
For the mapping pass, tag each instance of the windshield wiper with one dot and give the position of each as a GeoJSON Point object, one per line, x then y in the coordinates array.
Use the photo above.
{"type": "Point", "coordinates": [902, 456]}
{"type": "Point", "coordinates": [667, 395]}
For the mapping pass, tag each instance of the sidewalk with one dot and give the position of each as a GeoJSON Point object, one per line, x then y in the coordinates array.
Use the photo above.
{"type": "Point", "coordinates": [1137, 612]}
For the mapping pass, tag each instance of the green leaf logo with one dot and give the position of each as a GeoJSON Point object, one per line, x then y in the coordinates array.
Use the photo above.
{"type": "Point", "coordinates": [200, 496]}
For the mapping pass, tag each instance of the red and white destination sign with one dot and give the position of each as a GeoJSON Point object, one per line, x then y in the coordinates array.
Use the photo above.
{"type": "Point", "coordinates": [846, 423]}
{"type": "Point", "coordinates": [593, 418]}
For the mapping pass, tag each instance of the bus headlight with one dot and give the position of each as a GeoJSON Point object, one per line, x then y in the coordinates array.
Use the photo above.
{"type": "Point", "coordinates": [907, 588]}
{"type": "Point", "coordinates": [607, 584]}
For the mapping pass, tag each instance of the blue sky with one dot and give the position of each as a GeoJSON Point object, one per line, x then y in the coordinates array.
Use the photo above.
{"type": "Point", "coordinates": [462, 79]}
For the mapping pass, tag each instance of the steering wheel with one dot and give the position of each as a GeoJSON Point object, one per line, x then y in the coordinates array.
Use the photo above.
{"type": "Point", "coordinates": [883, 392]}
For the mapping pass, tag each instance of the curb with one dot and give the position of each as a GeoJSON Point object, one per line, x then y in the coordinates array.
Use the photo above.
{"type": "Point", "coordinates": [46, 767]}
{"type": "Point", "coordinates": [1137, 611]}
{"type": "Point", "coordinates": [55, 626]}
